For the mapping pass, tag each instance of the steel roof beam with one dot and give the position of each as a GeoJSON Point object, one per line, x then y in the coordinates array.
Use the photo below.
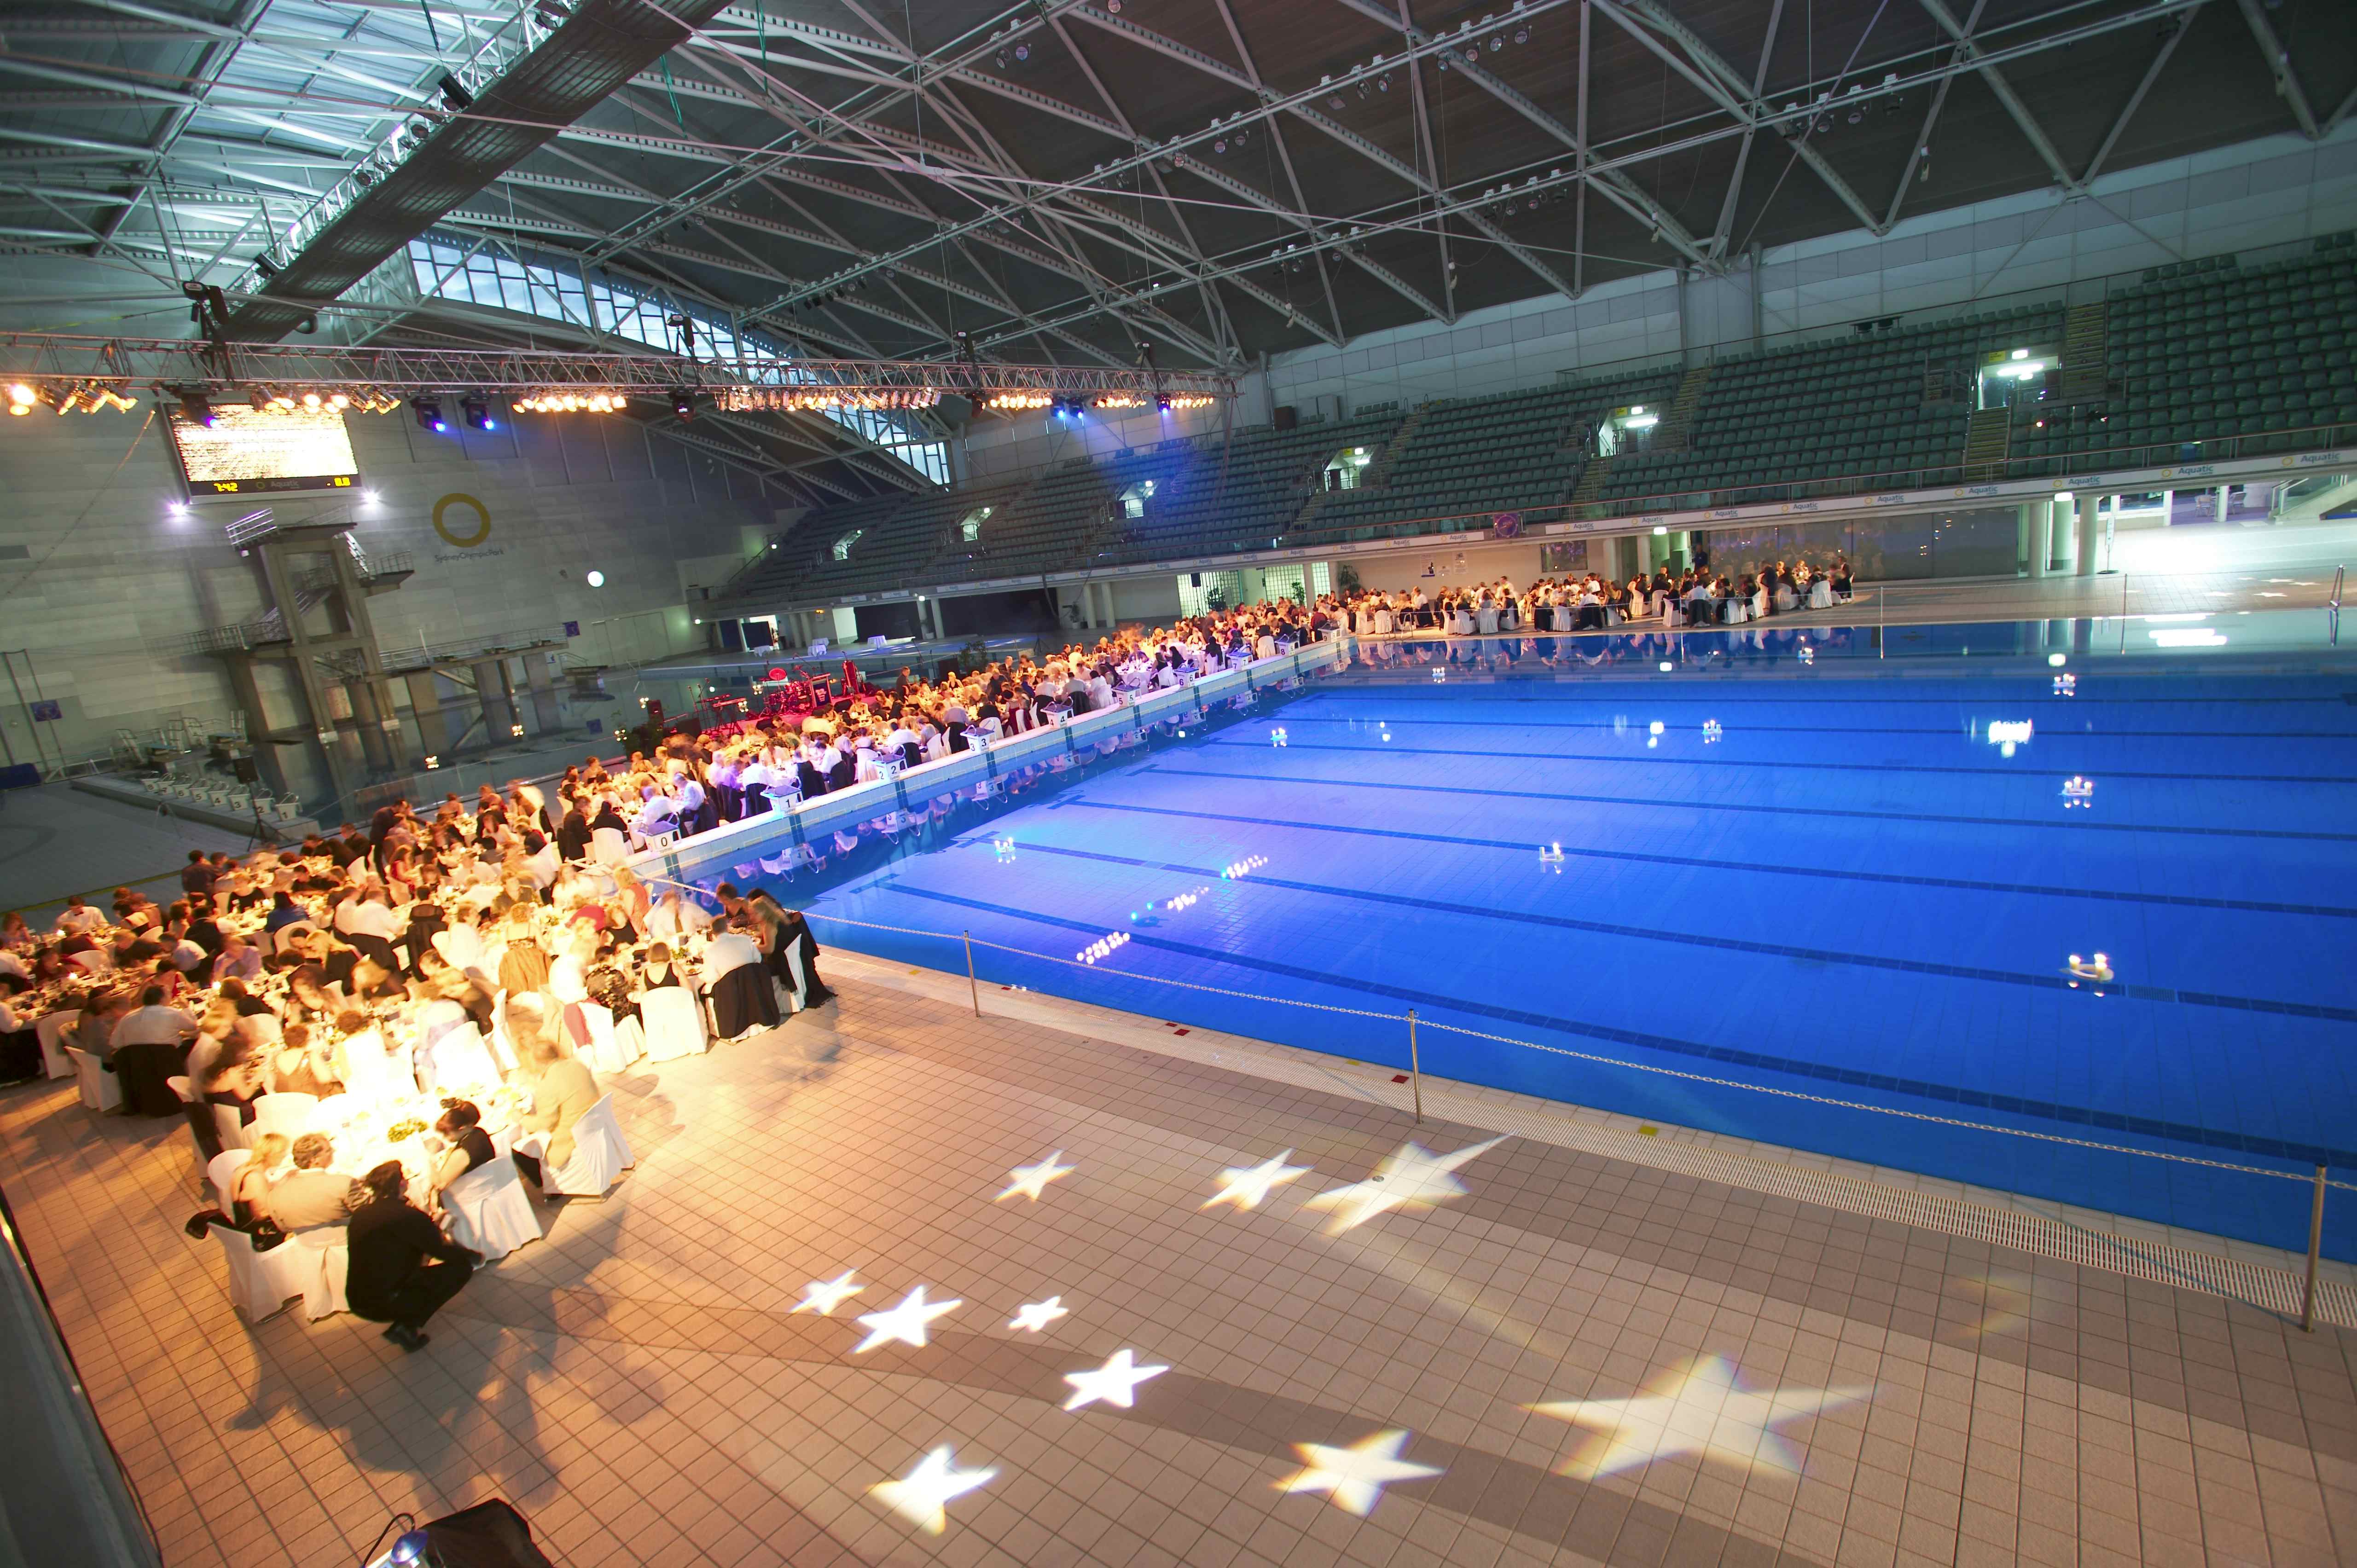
{"type": "Point", "coordinates": [2006, 95]}
{"type": "Point", "coordinates": [2135, 99]}
{"type": "Point", "coordinates": [1724, 229]}
{"type": "Point", "coordinates": [2278, 59]}
{"type": "Point", "coordinates": [1718, 81]}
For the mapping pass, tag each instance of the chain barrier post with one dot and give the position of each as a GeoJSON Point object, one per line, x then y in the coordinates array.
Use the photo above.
{"type": "Point", "coordinates": [974, 988]}
{"type": "Point", "coordinates": [2315, 1245]}
{"type": "Point", "coordinates": [1415, 1070]}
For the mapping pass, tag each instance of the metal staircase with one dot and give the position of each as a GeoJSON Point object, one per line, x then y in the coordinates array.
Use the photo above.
{"type": "Point", "coordinates": [2087, 372]}
{"type": "Point", "coordinates": [1591, 481]}
{"type": "Point", "coordinates": [1675, 431]}
{"type": "Point", "coordinates": [1379, 477]}
{"type": "Point", "coordinates": [1988, 441]}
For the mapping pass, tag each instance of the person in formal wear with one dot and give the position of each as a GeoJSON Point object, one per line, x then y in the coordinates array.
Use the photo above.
{"type": "Point", "coordinates": [304, 1062]}
{"type": "Point", "coordinates": [151, 1044]}
{"type": "Point", "coordinates": [403, 1269]}
{"type": "Point", "coordinates": [562, 1090]}
{"type": "Point", "coordinates": [743, 998]}
{"type": "Point", "coordinates": [311, 1195]}
{"type": "Point", "coordinates": [469, 1147]}
{"type": "Point", "coordinates": [792, 951]}
{"type": "Point", "coordinates": [524, 967]}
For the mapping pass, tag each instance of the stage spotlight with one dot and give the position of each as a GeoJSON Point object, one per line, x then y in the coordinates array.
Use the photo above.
{"type": "Point", "coordinates": [265, 266]}
{"type": "Point", "coordinates": [429, 413]}
{"type": "Point", "coordinates": [21, 397]}
{"type": "Point", "coordinates": [456, 96]}
{"type": "Point", "coordinates": [196, 409]}
{"type": "Point", "coordinates": [683, 403]}
{"type": "Point", "coordinates": [477, 414]}
{"type": "Point", "coordinates": [1163, 404]}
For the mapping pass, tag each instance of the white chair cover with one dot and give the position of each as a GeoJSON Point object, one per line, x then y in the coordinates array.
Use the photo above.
{"type": "Point", "coordinates": [370, 1072]}
{"type": "Point", "coordinates": [46, 1030]}
{"type": "Point", "coordinates": [603, 1052]}
{"type": "Point", "coordinates": [609, 846]}
{"type": "Point", "coordinates": [179, 1086]}
{"type": "Point", "coordinates": [674, 1025]}
{"type": "Point", "coordinates": [221, 1172]}
{"type": "Point", "coordinates": [1821, 594]}
{"type": "Point", "coordinates": [460, 1061]}
{"type": "Point", "coordinates": [261, 1283]}
{"type": "Point", "coordinates": [291, 1114]}
{"type": "Point", "coordinates": [234, 1132]}
{"type": "Point", "coordinates": [601, 1155]}
{"type": "Point", "coordinates": [90, 962]}
{"type": "Point", "coordinates": [101, 1090]}
{"type": "Point", "coordinates": [490, 1210]}
{"type": "Point", "coordinates": [323, 1290]}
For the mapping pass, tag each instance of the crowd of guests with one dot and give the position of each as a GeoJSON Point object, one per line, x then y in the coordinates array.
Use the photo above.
{"type": "Point", "coordinates": [347, 966]}
{"type": "Point", "coordinates": [698, 780]}
{"type": "Point", "coordinates": [1694, 596]}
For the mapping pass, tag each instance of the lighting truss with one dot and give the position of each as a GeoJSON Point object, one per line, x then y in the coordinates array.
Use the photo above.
{"type": "Point", "coordinates": [288, 375]}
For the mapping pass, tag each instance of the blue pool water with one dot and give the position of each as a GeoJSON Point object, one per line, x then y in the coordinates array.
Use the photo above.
{"type": "Point", "coordinates": [1830, 882]}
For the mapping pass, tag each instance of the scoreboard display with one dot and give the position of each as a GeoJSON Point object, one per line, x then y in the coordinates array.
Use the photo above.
{"type": "Point", "coordinates": [250, 451]}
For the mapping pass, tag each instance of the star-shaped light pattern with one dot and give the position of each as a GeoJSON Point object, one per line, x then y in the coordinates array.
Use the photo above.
{"type": "Point", "coordinates": [920, 1497]}
{"type": "Point", "coordinates": [1413, 1178]}
{"type": "Point", "coordinates": [1247, 1186]}
{"type": "Point", "coordinates": [1033, 1181]}
{"type": "Point", "coordinates": [905, 1323]}
{"type": "Point", "coordinates": [823, 1296]}
{"type": "Point", "coordinates": [1115, 1382]}
{"type": "Point", "coordinates": [1034, 1315]}
{"type": "Point", "coordinates": [1355, 1476]}
{"type": "Point", "coordinates": [1701, 1407]}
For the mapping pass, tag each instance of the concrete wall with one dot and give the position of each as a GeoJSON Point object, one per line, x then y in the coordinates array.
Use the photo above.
{"type": "Point", "coordinates": [110, 579]}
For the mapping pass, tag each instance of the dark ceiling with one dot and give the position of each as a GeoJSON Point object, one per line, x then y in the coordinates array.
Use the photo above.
{"type": "Point", "coordinates": [1027, 195]}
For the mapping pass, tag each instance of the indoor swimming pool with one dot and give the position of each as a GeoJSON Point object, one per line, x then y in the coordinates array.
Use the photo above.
{"type": "Point", "coordinates": [1860, 887]}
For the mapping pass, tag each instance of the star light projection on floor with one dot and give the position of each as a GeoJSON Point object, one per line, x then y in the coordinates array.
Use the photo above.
{"type": "Point", "coordinates": [1701, 1407]}
{"type": "Point", "coordinates": [1033, 1181]}
{"type": "Point", "coordinates": [1355, 1476]}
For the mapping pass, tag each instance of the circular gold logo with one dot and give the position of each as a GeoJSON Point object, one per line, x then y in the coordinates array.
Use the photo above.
{"type": "Point", "coordinates": [482, 515]}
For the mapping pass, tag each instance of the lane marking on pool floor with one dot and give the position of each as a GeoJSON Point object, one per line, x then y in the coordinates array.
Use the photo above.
{"type": "Point", "coordinates": [2252, 905]}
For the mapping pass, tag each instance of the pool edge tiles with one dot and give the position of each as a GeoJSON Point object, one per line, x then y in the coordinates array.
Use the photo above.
{"type": "Point", "coordinates": [2242, 1271]}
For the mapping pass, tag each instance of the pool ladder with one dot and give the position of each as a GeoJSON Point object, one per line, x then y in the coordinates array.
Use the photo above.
{"type": "Point", "coordinates": [2333, 606]}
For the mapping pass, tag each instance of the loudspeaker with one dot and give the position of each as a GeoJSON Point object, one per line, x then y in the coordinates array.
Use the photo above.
{"type": "Point", "coordinates": [1285, 417]}
{"type": "Point", "coordinates": [489, 1535]}
{"type": "Point", "coordinates": [247, 773]}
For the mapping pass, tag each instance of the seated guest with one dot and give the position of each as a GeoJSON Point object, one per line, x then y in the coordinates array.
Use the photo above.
{"type": "Point", "coordinates": [79, 919]}
{"type": "Point", "coordinates": [743, 999]}
{"type": "Point", "coordinates": [304, 1064]}
{"type": "Point", "coordinates": [311, 1196]}
{"type": "Point", "coordinates": [403, 1268]}
{"type": "Point", "coordinates": [21, 1048]}
{"type": "Point", "coordinates": [470, 1147]}
{"type": "Point", "coordinates": [562, 1090]}
{"type": "Point", "coordinates": [249, 1190]}
{"type": "Point", "coordinates": [236, 1082]}
{"type": "Point", "coordinates": [284, 912]}
{"type": "Point", "coordinates": [239, 960]}
{"type": "Point", "coordinates": [94, 1030]}
{"type": "Point", "coordinates": [219, 1038]}
{"type": "Point", "coordinates": [151, 1044]}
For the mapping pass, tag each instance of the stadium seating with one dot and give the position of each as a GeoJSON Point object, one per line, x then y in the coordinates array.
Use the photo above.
{"type": "Point", "coordinates": [2194, 353]}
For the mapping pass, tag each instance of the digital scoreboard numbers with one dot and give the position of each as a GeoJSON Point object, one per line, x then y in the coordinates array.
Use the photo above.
{"type": "Point", "coordinates": [248, 451]}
